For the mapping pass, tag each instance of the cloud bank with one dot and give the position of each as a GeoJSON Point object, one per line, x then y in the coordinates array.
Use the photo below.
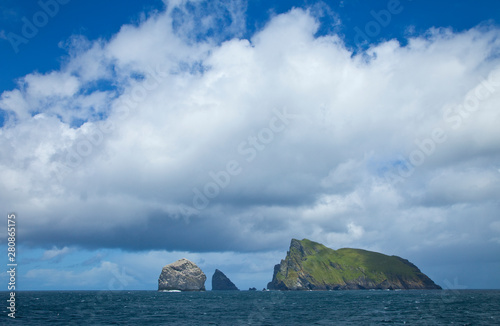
{"type": "Point", "coordinates": [171, 136]}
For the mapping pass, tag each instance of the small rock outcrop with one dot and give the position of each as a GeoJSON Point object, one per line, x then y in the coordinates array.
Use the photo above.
{"type": "Point", "coordinates": [221, 282]}
{"type": "Point", "coordinates": [182, 275]}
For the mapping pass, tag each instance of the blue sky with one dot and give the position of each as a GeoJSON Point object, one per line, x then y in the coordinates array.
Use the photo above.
{"type": "Point", "coordinates": [135, 133]}
{"type": "Point", "coordinates": [97, 19]}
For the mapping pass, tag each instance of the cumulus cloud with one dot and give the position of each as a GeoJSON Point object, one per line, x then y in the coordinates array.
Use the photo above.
{"type": "Point", "coordinates": [106, 276]}
{"type": "Point", "coordinates": [165, 137]}
{"type": "Point", "coordinates": [56, 254]}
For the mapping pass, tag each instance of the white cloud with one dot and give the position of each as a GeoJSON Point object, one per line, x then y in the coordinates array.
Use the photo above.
{"type": "Point", "coordinates": [51, 84]}
{"type": "Point", "coordinates": [56, 253]}
{"type": "Point", "coordinates": [107, 276]}
{"type": "Point", "coordinates": [15, 102]}
{"type": "Point", "coordinates": [176, 110]}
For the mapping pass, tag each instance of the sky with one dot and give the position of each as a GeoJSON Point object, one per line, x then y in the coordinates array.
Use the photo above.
{"type": "Point", "coordinates": [136, 133]}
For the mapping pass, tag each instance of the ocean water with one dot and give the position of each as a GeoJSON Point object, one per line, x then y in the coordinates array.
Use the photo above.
{"type": "Point", "coordinates": [447, 307]}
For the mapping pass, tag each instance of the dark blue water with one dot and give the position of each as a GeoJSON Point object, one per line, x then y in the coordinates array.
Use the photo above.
{"type": "Point", "coordinates": [447, 307]}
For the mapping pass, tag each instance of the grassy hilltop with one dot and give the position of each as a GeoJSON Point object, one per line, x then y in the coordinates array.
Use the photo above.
{"type": "Point", "coordinates": [312, 266]}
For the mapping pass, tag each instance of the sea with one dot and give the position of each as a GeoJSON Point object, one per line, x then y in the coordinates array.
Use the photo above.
{"type": "Point", "coordinates": [360, 307]}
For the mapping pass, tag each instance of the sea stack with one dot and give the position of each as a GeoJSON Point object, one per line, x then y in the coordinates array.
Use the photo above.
{"type": "Point", "coordinates": [182, 275]}
{"type": "Point", "coordinates": [312, 266]}
{"type": "Point", "coordinates": [221, 282]}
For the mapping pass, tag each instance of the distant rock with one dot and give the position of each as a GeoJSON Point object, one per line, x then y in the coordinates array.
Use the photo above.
{"type": "Point", "coordinates": [312, 266]}
{"type": "Point", "coordinates": [252, 289]}
{"type": "Point", "coordinates": [182, 275]}
{"type": "Point", "coordinates": [221, 282]}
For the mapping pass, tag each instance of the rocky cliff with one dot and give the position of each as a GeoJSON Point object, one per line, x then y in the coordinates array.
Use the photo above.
{"type": "Point", "coordinates": [221, 282]}
{"type": "Point", "coordinates": [312, 266]}
{"type": "Point", "coordinates": [182, 275]}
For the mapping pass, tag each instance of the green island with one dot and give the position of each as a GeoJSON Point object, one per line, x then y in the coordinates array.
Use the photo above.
{"type": "Point", "coordinates": [312, 266]}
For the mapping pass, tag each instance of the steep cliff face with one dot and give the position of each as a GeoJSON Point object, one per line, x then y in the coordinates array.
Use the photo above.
{"type": "Point", "coordinates": [312, 266]}
{"type": "Point", "coordinates": [182, 275]}
{"type": "Point", "coordinates": [221, 282]}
